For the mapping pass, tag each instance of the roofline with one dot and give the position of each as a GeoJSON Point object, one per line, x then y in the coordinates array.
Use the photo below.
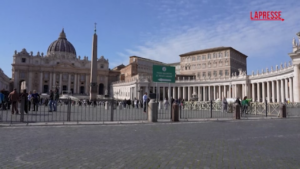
{"type": "Point", "coordinates": [211, 50]}
{"type": "Point", "coordinates": [147, 59]}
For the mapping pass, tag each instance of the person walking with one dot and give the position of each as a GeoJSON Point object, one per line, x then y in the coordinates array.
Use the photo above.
{"type": "Point", "coordinates": [51, 98]}
{"type": "Point", "coordinates": [225, 104]}
{"type": "Point", "coordinates": [14, 98]}
{"type": "Point", "coordinates": [145, 99]}
{"type": "Point", "coordinates": [35, 100]}
{"type": "Point", "coordinates": [29, 97]}
{"type": "Point", "coordinates": [55, 99]}
{"type": "Point", "coordinates": [135, 103]}
{"type": "Point", "coordinates": [166, 103]}
{"type": "Point", "coordinates": [245, 105]}
{"type": "Point", "coordinates": [24, 97]}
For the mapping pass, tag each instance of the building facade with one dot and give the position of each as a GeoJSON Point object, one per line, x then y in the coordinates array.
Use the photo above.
{"type": "Point", "coordinates": [4, 81]}
{"type": "Point", "coordinates": [60, 68]}
{"type": "Point", "coordinates": [220, 72]}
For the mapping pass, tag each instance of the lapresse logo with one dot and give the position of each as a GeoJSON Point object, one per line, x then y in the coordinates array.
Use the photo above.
{"type": "Point", "coordinates": [266, 16]}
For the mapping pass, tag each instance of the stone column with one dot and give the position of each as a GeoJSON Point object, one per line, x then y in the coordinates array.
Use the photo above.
{"type": "Point", "coordinates": [199, 94]}
{"type": "Point", "coordinates": [219, 95]}
{"type": "Point", "coordinates": [263, 92]}
{"type": "Point", "coordinates": [41, 83]}
{"type": "Point", "coordinates": [253, 92]}
{"type": "Point", "coordinates": [174, 93]}
{"type": "Point", "coordinates": [179, 92]}
{"type": "Point", "coordinates": [230, 90]}
{"type": "Point", "coordinates": [164, 93]}
{"type": "Point", "coordinates": [258, 92]}
{"type": "Point", "coordinates": [169, 92]}
{"type": "Point", "coordinates": [189, 93]}
{"type": "Point", "coordinates": [296, 84]}
{"type": "Point", "coordinates": [204, 93]}
{"type": "Point", "coordinates": [86, 84]}
{"type": "Point", "coordinates": [147, 90]}
{"type": "Point", "coordinates": [273, 91]}
{"type": "Point", "coordinates": [209, 94]}
{"type": "Point", "coordinates": [243, 90]}
{"type": "Point", "coordinates": [54, 79]}
{"type": "Point", "coordinates": [268, 92]}
{"type": "Point", "coordinates": [60, 82]}
{"type": "Point", "coordinates": [75, 84]}
{"type": "Point", "coordinates": [277, 91]}
{"type": "Point", "coordinates": [50, 81]}
{"type": "Point", "coordinates": [286, 88]}
{"type": "Point", "coordinates": [282, 90]}
{"type": "Point", "coordinates": [225, 91]}
{"type": "Point", "coordinates": [183, 93]}
{"type": "Point", "coordinates": [158, 92]}
{"type": "Point", "coordinates": [235, 91]}
{"type": "Point", "coordinates": [291, 90]}
{"type": "Point", "coordinates": [214, 95]}
{"type": "Point", "coordinates": [28, 82]}
{"type": "Point", "coordinates": [69, 83]}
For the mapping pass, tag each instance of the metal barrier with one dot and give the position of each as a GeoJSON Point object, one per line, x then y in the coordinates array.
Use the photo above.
{"type": "Point", "coordinates": [112, 110]}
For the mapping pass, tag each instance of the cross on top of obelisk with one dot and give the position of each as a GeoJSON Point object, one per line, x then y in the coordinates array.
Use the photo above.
{"type": "Point", "coordinates": [95, 27]}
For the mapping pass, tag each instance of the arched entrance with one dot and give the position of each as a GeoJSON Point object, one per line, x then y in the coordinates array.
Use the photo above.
{"type": "Point", "coordinates": [101, 89]}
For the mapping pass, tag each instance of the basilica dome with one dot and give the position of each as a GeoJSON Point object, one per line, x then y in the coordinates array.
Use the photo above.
{"type": "Point", "coordinates": [61, 45]}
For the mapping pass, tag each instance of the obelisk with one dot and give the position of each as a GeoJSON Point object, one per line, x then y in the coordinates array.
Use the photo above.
{"type": "Point", "coordinates": [93, 76]}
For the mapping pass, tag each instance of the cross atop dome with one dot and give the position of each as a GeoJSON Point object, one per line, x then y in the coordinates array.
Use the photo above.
{"type": "Point", "coordinates": [62, 34]}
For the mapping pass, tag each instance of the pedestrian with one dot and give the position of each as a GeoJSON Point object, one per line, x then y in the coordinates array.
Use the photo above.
{"type": "Point", "coordinates": [135, 103]}
{"type": "Point", "coordinates": [245, 105]}
{"type": "Point", "coordinates": [24, 97]}
{"type": "Point", "coordinates": [29, 100]}
{"type": "Point", "coordinates": [55, 99]}
{"type": "Point", "coordinates": [166, 103]}
{"type": "Point", "coordinates": [35, 100]}
{"type": "Point", "coordinates": [145, 99]}
{"type": "Point", "coordinates": [124, 103]}
{"type": "Point", "coordinates": [2, 100]}
{"type": "Point", "coordinates": [238, 101]}
{"type": "Point", "coordinates": [129, 103]}
{"type": "Point", "coordinates": [225, 103]}
{"type": "Point", "coordinates": [51, 98]}
{"type": "Point", "coordinates": [14, 98]}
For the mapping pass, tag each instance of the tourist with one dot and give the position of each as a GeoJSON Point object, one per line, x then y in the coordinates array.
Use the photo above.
{"type": "Point", "coordinates": [35, 100]}
{"type": "Point", "coordinates": [128, 103]}
{"type": "Point", "coordinates": [5, 101]}
{"type": "Point", "coordinates": [55, 101]}
{"type": "Point", "coordinates": [2, 100]}
{"type": "Point", "coordinates": [51, 98]}
{"type": "Point", "coordinates": [145, 99]}
{"type": "Point", "coordinates": [245, 105]}
{"type": "Point", "coordinates": [124, 103]}
{"type": "Point", "coordinates": [166, 103]}
{"type": "Point", "coordinates": [135, 103]}
{"type": "Point", "coordinates": [14, 98]}
{"type": "Point", "coordinates": [29, 100]}
{"type": "Point", "coordinates": [24, 96]}
{"type": "Point", "coordinates": [225, 103]}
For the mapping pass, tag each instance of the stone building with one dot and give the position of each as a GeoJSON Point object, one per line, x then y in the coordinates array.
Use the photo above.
{"type": "Point", "coordinates": [219, 72]}
{"type": "Point", "coordinates": [4, 81]}
{"type": "Point", "coordinates": [60, 68]}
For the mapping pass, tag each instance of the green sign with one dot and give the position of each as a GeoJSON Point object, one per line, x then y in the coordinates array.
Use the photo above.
{"type": "Point", "coordinates": [164, 74]}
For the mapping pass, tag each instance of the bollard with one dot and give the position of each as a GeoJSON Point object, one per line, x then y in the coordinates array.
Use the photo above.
{"type": "Point", "coordinates": [175, 112]}
{"type": "Point", "coordinates": [283, 111]}
{"type": "Point", "coordinates": [236, 112]}
{"type": "Point", "coordinates": [152, 111]}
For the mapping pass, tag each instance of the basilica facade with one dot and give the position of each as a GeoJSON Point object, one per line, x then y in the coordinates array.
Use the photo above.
{"type": "Point", "coordinates": [60, 68]}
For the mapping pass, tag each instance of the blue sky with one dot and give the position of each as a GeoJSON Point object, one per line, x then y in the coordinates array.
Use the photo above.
{"type": "Point", "coordinates": [155, 29]}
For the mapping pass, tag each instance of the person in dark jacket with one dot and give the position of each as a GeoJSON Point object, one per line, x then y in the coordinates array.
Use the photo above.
{"type": "Point", "coordinates": [24, 98]}
{"type": "Point", "coordinates": [51, 98]}
{"type": "Point", "coordinates": [129, 103]}
{"type": "Point", "coordinates": [35, 100]}
{"type": "Point", "coordinates": [14, 98]}
{"type": "Point", "coordinates": [55, 99]}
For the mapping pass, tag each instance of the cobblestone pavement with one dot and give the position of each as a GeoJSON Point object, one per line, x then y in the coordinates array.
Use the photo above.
{"type": "Point", "coordinates": [272, 143]}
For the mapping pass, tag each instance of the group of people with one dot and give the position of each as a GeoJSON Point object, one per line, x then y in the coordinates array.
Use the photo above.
{"type": "Point", "coordinates": [243, 105]}
{"type": "Point", "coordinates": [27, 100]}
{"type": "Point", "coordinates": [135, 103]}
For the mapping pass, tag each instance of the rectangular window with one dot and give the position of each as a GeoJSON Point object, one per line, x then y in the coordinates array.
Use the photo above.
{"type": "Point", "coordinates": [209, 73]}
{"type": "Point", "coordinates": [209, 56]}
{"type": "Point", "coordinates": [23, 60]}
{"type": "Point", "coordinates": [203, 57]}
{"type": "Point", "coordinates": [221, 73]}
{"type": "Point", "coordinates": [215, 73]}
{"type": "Point", "coordinates": [226, 72]}
{"type": "Point", "coordinates": [198, 57]}
{"type": "Point", "coordinates": [203, 74]}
